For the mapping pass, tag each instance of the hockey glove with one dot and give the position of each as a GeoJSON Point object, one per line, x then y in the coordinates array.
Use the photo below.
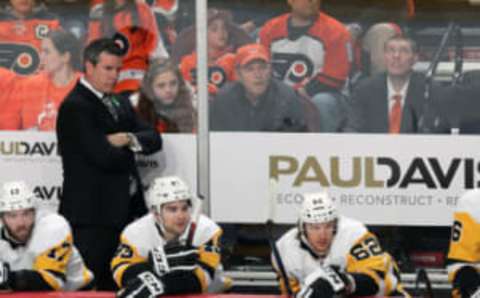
{"type": "Point", "coordinates": [325, 282]}
{"type": "Point", "coordinates": [4, 275]}
{"type": "Point", "coordinates": [173, 258]}
{"type": "Point", "coordinates": [145, 285]}
{"type": "Point", "coordinates": [476, 294]}
{"type": "Point", "coordinates": [182, 257]}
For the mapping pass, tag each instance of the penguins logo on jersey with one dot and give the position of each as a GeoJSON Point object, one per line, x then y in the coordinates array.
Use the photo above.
{"type": "Point", "coordinates": [22, 59]}
{"type": "Point", "coordinates": [292, 67]}
{"type": "Point", "coordinates": [122, 42]}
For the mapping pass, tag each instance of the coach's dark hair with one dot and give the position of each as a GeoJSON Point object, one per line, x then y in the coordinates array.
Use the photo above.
{"type": "Point", "coordinates": [98, 46]}
{"type": "Point", "coordinates": [66, 42]}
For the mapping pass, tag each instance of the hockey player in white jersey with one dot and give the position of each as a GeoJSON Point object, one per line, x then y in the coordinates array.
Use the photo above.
{"type": "Point", "coordinates": [168, 251]}
{"type": "Point", "coordinates": [328, 254]}
{"type": "Point", "coordinates": [464, 252]}
{"type": "Point", "coordinates": [36, 246]}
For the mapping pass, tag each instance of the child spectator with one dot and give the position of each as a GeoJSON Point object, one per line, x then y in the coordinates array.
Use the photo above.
{"type": "Point", "coordinates": [165, 100]}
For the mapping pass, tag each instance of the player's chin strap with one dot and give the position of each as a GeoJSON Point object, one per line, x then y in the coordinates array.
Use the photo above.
{"type": "Point", "coordinates": [422, 277]}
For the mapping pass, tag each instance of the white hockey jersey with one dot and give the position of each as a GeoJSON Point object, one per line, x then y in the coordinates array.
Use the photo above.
{"type": "Point", "coordinates": [354, 249]}
{"type": "Point", "coordinates": [143, 235]}
{"type": "Point", "coordinates": [50, 252]}
{"type": "Point", "coordinates": [465, 239]}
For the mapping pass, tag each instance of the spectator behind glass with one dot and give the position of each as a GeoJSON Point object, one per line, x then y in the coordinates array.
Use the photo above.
{"type": "Point", "coordinates": [35, 100]}
{"type": "Point", "coordinates": [256, 101]}
{"type": "Point", "coordinates": [165, 100]}
{"type": "Point", "coordinates": [390, 102]}
{"type": "Point", "coordinates": [311, 51]}
{"type": "Point", "coordinates": [220, 57]}
{"type": "Point", "coordinates": [230, 37]}
{"type": "Point", "coordinates": [132, 24]}
{"type": "Point", "coordinates": [22, 28]}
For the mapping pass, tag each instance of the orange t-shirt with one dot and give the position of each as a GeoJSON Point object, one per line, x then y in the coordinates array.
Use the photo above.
{"type": "Point", "coordinates": [7, 82]}
{"type": "Point", "coordinates": [35, 101]}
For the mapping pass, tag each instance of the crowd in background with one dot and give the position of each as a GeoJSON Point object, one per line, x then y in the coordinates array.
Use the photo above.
{"type": "Point", "coordinates": [323, 64]}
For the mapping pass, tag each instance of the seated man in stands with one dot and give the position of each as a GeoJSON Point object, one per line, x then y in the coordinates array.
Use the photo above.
{"type": "Point", "coordinates": [312, 52]}
{"type": "Point", "coordinates": [390, 102]}
{"type": "Point", "coordinates": [464, 256]}
{"type": "Point", "coordinates": [328, 254]}
{"type": "Point", "coordinates": [36, 246]}
{"type": "Point", "coordinates": [171, 250]}
{"type": "Point", "coordinates": [256, 101]}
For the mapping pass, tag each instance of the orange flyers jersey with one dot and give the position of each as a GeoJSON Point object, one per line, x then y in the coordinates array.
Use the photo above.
{"type": "Point", "coordinates": [20, 40]}
{"type": "Point", "coordinates": [322, 52]}
{"type": "Point", "coordinates": [222, 71]}
{"type": "Point", "coordinates": [35, 101]}
{"type": "Point", "coordinates": [465, 238]}
{"type": "Point", "coordinates": [354, 249]}
{"type": "Point", "coordinates": [140, 44]}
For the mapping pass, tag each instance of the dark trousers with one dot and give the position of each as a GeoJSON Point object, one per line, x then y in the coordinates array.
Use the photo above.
{"type": "Point", "coordinates": [97, 246]}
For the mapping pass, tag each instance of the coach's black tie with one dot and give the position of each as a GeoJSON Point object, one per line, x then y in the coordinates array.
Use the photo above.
{"type": "Point", "coordinates": [109, 101]}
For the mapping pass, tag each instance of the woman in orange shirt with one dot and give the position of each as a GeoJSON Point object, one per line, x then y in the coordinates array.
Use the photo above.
{"type": "Point", "coordinates": [165, 99]}
{"type": "Point", "coordinates": [34, 101]}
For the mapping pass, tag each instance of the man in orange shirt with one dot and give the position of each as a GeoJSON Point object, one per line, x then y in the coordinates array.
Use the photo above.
{"type": "Point", "coordinates": [22, 28]}
{"type": "Point", "coordinates": [311, 51]}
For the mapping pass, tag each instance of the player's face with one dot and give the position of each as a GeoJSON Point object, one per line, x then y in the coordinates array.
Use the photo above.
{"type": "Point", "coordinates": [305, 8]}
{"type": "Point", "coordinates": [52, 61]}
{"type": "Point", "coordinates": [19, 223]}
{"type": "Point", "coordinates": [255, 77]}
{"type": "Point", "coordinates": [165, 87]}
{"type": "Point", "coordinates": [22, 7]}
{"type": "Point", "coordinates": [175, 217]}
{"type": "Point", "coordinates": [104, 75]}
{"type": "Point", "coordinates": [320, 236]}
{"type": "Point", "coordinates": [399, 57]}
{"type": "Point", "coordinates": [217, 34]}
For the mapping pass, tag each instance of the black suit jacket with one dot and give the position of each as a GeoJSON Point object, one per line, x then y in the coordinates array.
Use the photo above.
{"type": "Point", "coordinates": [96, 175]}
{"type": "Point", "coordinates": [369, 106]}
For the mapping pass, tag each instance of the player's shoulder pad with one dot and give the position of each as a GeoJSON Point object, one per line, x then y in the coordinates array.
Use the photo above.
{"type": "Point", "coordinates": [469, 202]}
{"type": "Point", "coordinates": [288, 240]}
{"type": "Point", "coordinates": [96, 12]}
{"type": "Point", "coordinates": [139, 226]}
{"type": "Point", "coordinates": [350, 228]}
{"type": "Point", "coordinates": [205, 230]}
{"type": "Point", "coordinates": [50, 229]}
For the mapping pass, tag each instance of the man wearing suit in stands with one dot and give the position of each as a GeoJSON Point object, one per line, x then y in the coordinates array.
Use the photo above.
{"type": "Point", "coordinates": [98, 136]}
{"type": "Point", "coordinates": [392, 102]}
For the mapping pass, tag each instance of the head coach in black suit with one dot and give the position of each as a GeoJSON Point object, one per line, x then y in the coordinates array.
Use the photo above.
{"type": "Point", "coordinates": [98, 135]}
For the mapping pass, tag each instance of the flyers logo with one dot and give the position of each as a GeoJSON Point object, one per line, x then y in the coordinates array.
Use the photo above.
{"type": "Point", "coordinates": [216, 76]}
{"type": "Point", "coordinates": [20, 58]}
{"type": "Point", "coordinates": [292, 67]}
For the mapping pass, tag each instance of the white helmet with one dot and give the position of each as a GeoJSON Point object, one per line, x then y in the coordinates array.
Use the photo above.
{"type": "Point", "coordinates": [165, 190]}
{"type": "Point", "coordinates": [317, 208]}
{"type": "Point", "coordinates": [16, 195]}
